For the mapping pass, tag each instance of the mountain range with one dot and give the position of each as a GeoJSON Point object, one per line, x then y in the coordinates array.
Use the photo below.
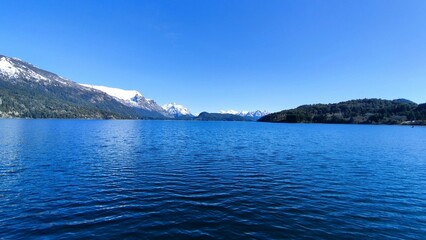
{"type": "Point", "coordinates": [130, 98]}
{"type": "Point", "coordinates": [30, 92]}
{"type": "Point", "coordinates": [253, 115]}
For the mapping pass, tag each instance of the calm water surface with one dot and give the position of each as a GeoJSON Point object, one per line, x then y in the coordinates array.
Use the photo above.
{"type": "Point", "coordinates": [78, 179]}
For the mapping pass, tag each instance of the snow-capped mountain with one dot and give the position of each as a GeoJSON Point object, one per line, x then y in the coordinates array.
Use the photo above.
{"type": "Point", "coordinates": [253, 114]}
{"type": "Point", "coordinates": [14, 69]}
{"type": "Point", "coordinates": [229, 112]}
{"type": "Point", "coordinates": [126, 95]}
{"type": "Point", "coordinates": [176, 110]}
{"type": "Point", "coordinates": [131, 98]}
{"type": "Point", "coordinates": [30, 92]}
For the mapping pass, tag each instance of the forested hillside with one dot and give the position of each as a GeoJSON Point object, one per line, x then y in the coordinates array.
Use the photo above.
{"type": "Point", "coordinates": [362, 111]}
{"type": "Point", "coordinates": [29, 92]}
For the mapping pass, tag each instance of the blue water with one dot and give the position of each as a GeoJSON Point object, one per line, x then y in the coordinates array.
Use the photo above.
{"type": "Point", "coordinates": [78, 179]}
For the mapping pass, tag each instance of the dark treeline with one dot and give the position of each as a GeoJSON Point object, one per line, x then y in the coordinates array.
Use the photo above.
{"type": "Point", "coordinates": [26, 100]}
{"type": "Point", "coordinates": [205, 116]}
{"type": "Point", "coordinates": [363, 111]}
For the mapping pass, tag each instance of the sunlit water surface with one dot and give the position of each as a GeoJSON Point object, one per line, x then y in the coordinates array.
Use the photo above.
{"type": "Point", "coordinates": [78, 179]}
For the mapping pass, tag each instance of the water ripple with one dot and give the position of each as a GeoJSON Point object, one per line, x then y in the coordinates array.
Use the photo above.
{"type": "Point", "coordinates": [210, 180]}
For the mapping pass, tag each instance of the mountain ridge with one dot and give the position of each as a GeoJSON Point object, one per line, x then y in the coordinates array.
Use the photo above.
{"type": "Point", "coordinates": [252, 115]}
{"type": "Point", "coordinates": [176, 110]}
{"type": "Point", "coordinates": [30, 92]}
{"type": "Point", "coordinates": [131, 98]}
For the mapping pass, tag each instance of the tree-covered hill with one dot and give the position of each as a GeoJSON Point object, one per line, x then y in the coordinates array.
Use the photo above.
{"type": "Point", "coordinates": [205, 116]}
{"type": "Point", "coordinates": [362, 111]}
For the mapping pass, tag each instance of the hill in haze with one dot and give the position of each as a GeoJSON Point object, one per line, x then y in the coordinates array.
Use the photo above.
{"type": "Point", "coordinates": [362, 111]}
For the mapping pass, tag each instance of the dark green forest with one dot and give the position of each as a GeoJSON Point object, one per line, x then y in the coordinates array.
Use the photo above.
{"type": "Point", "coordinates": [22, 99]}
{"type": "Point", "coordinates": [205, 116]}
{"type": "Point", "coordinates": [362, 111]}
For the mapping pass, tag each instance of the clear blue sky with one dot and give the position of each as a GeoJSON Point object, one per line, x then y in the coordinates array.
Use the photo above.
{"type": "Point", "coordinates": [224, 54]}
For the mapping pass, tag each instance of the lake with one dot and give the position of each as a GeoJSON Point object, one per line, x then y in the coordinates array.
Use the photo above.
{"type": "Point", "coordinates": [94, 179]}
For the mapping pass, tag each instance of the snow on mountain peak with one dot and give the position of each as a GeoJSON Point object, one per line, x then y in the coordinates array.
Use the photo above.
{"type": "Point", "coordinates": [176, 110]}
{"type": "Point", "coordinates": [233, 112]}
{"type": "Point", "coordinates": [15, 68]}
{"type": "Point", "coordinates": [126, 95]}
{"type": "Point", "coordinates": [7, 68]}
{"type": "Point", "coordinates": [253, 114]}
{"type": "Point", "coordinates": [130, 98]}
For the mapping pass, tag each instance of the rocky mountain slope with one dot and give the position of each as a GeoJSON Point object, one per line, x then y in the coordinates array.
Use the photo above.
{"type": "Point", "coordinates": [176, 110]}
{"type": "Point", "coordinates": [131, 98]}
